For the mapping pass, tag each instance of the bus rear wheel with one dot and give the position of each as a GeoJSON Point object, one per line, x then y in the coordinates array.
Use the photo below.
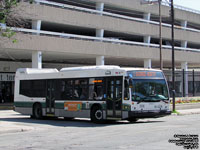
{"type": "Point", "coordinates": [97, 115]}
{"type": "Point", "coordinates": [37, 111]}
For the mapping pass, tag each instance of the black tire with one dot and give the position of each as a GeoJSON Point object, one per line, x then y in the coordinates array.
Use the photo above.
{"type": "Point", "coordinates": [97, 115]}
{"type": "Point", "coordinates": [68, 118]}
{"type": "Point", "coordinates": [132, 120]}
{"type": "Point", "coordinates": [37, 111]}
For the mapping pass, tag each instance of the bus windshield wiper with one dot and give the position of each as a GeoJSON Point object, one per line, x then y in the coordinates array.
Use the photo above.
{"type": "Point", "coordinates": [141, 101]}
{"type": "Point", "coordinates": [148, 100]}
{"type": "Point", "coordinates": [165, 100]}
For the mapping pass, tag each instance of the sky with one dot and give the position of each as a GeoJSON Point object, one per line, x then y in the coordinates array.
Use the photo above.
{"type": "Point", "coordinates": [194, 4]}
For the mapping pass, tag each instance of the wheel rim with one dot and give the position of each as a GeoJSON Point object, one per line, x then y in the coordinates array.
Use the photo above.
{"type": "Point", "coordinates": [98, 114]}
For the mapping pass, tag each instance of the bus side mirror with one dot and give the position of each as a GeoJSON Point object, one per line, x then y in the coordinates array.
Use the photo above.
{"type": "Point", "coordinates": [126, 83]}
{"type": "Point", "coordinates": [130, 83]}
{"type": "Point", "coordinates": [126, 89]}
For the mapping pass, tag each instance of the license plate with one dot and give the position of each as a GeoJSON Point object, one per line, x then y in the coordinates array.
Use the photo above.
{"type": "Point", "coordinates": [141, 106]}
{"type": "Point", "coordinates": [158, 106]}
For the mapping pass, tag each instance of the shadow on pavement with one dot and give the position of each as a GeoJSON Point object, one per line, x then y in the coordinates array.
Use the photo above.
{"type": "Point", "coordinates": [59, 122]}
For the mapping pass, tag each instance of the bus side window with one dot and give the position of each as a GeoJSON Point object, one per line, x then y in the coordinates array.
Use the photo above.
{"type": "Point", "coordinates": [25, 88]}
{"type": "Point", "coordinates": [67, 89]}
{"type": "Point", "coordinates": [80, 89]}
{"type": "Point", "coordinates": [84, 89]}
{"type": "Point", "coordinates": [99, 92]}
{"type": "Point", "coordinates": [33, 88]}
{"type": "Point", "coordinates": [77, 90]}
{"type": "Point", "coordinates": [96, 89]}
{"type": "Point", "coordinates": [118, 89]}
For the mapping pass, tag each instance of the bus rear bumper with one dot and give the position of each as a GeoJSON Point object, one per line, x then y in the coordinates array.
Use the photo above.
{"type": "Point", "coordinates": [148, 114]}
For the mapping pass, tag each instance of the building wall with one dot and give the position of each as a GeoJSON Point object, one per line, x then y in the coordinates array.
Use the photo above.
{"type": "Point", "coordinates": [60, 51]}
{"type": "Point", "coordinates": [82, 19]}
{"type": "Point", "coordinates": [94, 48]}
{"type": "Point", "coordinates": [135, 5]}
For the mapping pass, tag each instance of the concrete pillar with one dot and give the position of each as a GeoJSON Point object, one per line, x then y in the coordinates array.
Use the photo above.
{"type": "Point", "coordinates": [147, 39]}
{"type": "Point", "coordinates": [99, 60]}
{"type": "Point", "coordinates": [184, 65]}
{"type": "Point", "coordinates": [184, 44]}
{"type": "Point", "coordinates": [37, 59]}
{"type": "Point", "coordinates": [36, 25]}
{"type": "Point", "coordinates": [147, 63]}
{"type": "Point", "coordinates": [184, 24]}
{"type": "Point", "coordinates": [147, 16]}
{"type": "Point", "coordinates": [36, 55]}
{"type": "Point", "coordinates": [100, 7]}
{"type": "Point", "coordinates": [100, 33]}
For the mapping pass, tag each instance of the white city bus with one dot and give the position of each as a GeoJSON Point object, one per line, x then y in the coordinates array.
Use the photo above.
{"type": "Point", "coordinates": [96, 92]}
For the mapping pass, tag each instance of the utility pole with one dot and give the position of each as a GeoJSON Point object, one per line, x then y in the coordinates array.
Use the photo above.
{"type": "Point", "coordinates": [160, 34]}
{"type": "Point", "coordinates": [173, 55]}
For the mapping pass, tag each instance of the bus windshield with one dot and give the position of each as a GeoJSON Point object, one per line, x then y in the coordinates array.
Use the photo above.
{"type": "Point", "coordinates": [149, 90]}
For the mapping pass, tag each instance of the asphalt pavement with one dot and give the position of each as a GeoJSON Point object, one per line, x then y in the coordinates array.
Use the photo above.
{"type": "Point", "coordinates": [9, 128]}
{"type": "Point", "coordinates": [20, 132]}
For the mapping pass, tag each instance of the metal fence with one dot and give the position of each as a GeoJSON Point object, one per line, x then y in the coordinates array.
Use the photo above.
{"type": "Point", "coordinates": [187, 83]}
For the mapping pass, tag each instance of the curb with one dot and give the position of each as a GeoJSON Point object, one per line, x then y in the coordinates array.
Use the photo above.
{"type": "Point", "coordinates": [186, 112]}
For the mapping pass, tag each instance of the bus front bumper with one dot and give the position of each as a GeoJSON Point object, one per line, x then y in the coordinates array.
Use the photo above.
{"type": "Point", "coordinates": [148, 114]}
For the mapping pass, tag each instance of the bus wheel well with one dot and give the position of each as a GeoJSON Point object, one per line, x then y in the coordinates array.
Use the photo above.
{"type": "Point", "coordinates": [96, 105]}
{"type": "Point", "coordinates": [36, 103]}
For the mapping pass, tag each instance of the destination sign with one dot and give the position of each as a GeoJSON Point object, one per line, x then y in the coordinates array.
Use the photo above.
{"type": "Point", "coordinates": [145, 74]}
{"type": "Point", "coordinates": [97, 81]}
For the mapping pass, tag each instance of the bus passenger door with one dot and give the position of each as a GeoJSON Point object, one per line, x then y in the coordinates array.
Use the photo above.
{"type": "Point", "coordinates": [50, 98]}
{"type": "Point", "coordinates": [114, 98]}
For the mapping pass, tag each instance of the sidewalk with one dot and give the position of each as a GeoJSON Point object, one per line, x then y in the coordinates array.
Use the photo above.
{"type": "Point", "coordinates": [188, 112]}
{"type": "Point", "coordinates": [187, 108]}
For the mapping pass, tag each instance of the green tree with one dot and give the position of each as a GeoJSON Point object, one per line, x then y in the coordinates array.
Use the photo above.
{"type": "Point", "coordinates": [6, 17]}
{"type": "Point", "coordinates": [9, 16]}
{"type": "Point", "coordinates": [5, 9]}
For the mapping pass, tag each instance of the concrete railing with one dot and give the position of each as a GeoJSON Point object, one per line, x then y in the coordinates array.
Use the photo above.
{"type": "Point", "coordinates": [98, 39]}
{"type": "Point", "coordinates": [65, 6]}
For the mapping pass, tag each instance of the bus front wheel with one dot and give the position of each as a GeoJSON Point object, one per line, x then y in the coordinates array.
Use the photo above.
{"type": "Point", "coordinates": [37, 111]}
{"type": "Point", "coordinates": [97, 114]}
